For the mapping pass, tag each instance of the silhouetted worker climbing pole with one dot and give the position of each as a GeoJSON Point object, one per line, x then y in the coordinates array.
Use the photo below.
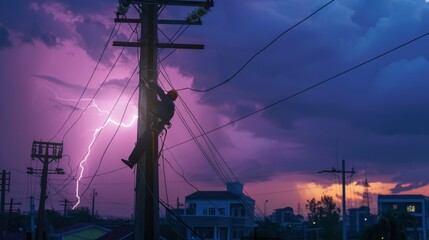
{"type": "Point", "coordinates": [161, 114]}
{"type": "Point", "coordinates": [145, 154]}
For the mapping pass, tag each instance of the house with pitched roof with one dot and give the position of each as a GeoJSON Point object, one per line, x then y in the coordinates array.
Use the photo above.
{"type": "Point", "coordinates": [220, 215]}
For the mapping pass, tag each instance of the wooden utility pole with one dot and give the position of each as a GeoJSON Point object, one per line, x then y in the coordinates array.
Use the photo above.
{"type": "Point", "coordinates": [65, 203]}
{"type": "Point", "coordinates": [343, 174]}
{"type": "Point", "coordinates": [5, 187]}
{"type": "Point", "coordinates": [32, 214]}
{"type": "Point", "coordinates": [11, 210]}
{"type": "Point", "coordinates": [146, 210]}
{"type": "Point", "coordinates": [94, 194]}
{"type": "Point", "coordinates": [46, 152]}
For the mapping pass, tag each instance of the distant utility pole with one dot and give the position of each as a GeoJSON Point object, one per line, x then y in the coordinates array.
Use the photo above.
{"type": "Point", "coordinates": [46, 152]}
{"type": "Point", "coordinates": [65, 203]}
{"type": "Point", "coordinates": [11, 211]}
{"type": "Point", "coordinates": [5, 187]}
{"type": "Point", "coordinates": [343, 173]}
{"type": "Point", "coordinates": [146, 211]}
{"type": "Point", "coordinates": [32, 214]}
{"type": "Point", "coordinates": [94, 194]}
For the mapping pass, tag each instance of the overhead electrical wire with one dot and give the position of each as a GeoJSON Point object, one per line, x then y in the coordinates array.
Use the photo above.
{"type": "Point", "coordinates": [307, 88]}
{"type": "Point", "coordinates": [218, 166]}
{"type": "Point", "coordinates": [95, 94]}
{"type": "Point", "coordinates": [117, 128]}
{"type": "Point", "coordinates": [260, 51]}
{"type": "Point", "coordinates": [87, 83]}
{"type": "Point", "coordinates": [226, 175]}
{"type": "Point", "coordinates": [134, 31]}
{"type": "Point", "coordinates": [171, 40]}
{"type": "Point", "coordinates": [167, 208]}
{"type": "Point", "coordinates": [99, 88]}
{"type": "Point", "coordinates": [315, 85]}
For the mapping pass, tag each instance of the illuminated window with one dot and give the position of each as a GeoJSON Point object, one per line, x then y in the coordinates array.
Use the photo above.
{"type": "Point", "coordinates": [395, 206]}
{"type": "Point", "coordinates": [411, 208]}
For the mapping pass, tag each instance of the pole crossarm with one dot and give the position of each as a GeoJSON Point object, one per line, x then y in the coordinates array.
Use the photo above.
{"type": "Point", "coordinates": [337, 171]}
{"type": "Point", "coordinates": [31, 171]}
{"type": "Point", "coordinates": [160, 21]}
{"type": "Point", "coordinates": [208, 3]}
{"type": "Point", "coordinates": [42, 150]}
{"type": "Point", "coordinates": [159, 45]}
{"type": "Point", "coordinates": [343, 174]}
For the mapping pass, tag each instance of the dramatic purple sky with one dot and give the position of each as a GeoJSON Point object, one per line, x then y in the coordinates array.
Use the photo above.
{"type": "Point", "coordinates": [375, 117]}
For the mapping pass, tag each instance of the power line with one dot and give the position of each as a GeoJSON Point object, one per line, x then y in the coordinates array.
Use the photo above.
{"type": "Point", "coordinates": [307, 89]}
{"type": "Point", "coordinates": [117, 129]}
{"type": "Point", "coordinates": [99, 88]}
{"type": "Point", "coordinates": [260, 51]}
{"type": "Point", "coordinates": [88, 82]}
{"type": "Point", "coordinates": [225, 174]}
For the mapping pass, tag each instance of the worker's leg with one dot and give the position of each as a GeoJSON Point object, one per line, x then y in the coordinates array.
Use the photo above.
{"type": "Point", "coordinates": [138, 150]}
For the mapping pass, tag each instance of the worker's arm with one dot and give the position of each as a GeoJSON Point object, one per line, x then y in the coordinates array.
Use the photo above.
{"type": "Point", "coordinates": [161, 93]}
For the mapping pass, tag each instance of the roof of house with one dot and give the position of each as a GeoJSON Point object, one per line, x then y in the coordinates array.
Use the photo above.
{"type": "Point", "coordinates": [118, 233]}
{"type": "Point", "coordinates": [79, 227]}
{"type": "Point", "coordinates": [402, 196]}
{"type": "Point", "coordinates": [213, 195]}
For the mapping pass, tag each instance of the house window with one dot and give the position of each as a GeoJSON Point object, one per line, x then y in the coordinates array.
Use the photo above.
{"type": "Point", "coordinates": [205, 212]}
{"type": "Point", "coordinates": [237, 210]}
{"type": "Point", "coordinates": [395, 206]}
{"type": "Point", "coordinates": [212, 211]}
{"type": "Point", "coordinates": [221, 211]}
{"type": "Point", "coordinates": [411, 208]}
{"type": "Point", "coordinates": [191, 209]}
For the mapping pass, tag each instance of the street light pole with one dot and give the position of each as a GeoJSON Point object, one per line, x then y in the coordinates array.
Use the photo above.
{"type": "Point", "coordinates": [265, 209]}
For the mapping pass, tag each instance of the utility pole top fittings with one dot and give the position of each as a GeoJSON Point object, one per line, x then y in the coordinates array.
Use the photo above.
{"type": "Point", "coordinates": [46, 152]}
{"type": "Point", "coordinates": [343, 173]}
{"type": "Point", "coordinates": [53, 151]}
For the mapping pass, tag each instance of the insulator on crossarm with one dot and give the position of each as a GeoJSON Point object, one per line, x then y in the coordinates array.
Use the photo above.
{"type": "Point", "coordinates": [196, 15]}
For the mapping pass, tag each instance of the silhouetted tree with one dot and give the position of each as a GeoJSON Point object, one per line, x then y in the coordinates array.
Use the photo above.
{"type": "Point", "coordinates": [324, 214]}
{"type": "Point", "coordinates": [268, 229]}
{"type": "Point", "coordinates": [392, 225]}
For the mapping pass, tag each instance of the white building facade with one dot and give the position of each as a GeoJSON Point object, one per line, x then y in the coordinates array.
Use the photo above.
{"type": "Point", "coordinates": [219, 215]}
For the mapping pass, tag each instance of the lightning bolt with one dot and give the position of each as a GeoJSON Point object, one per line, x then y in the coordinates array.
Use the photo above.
{"type": "Point", "coordinates": [94, 136]}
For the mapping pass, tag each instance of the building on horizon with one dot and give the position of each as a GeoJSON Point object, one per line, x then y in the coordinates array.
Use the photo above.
{"type": "Point", "coordinates": [414, 204]}
{"type": "Point", "coordinates": [223, 215]}
{"type": "Point", "coordinates": [286, 217]}
{"type": "Point", "coordinates": [359, 220]}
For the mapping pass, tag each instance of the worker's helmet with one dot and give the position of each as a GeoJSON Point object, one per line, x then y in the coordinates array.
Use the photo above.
{"type": "Point", "coordinates": [172, 94]}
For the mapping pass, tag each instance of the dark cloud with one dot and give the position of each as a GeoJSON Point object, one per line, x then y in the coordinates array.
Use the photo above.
{"type": "Point", "coordinates": [4, 38]}
{"type": "Point", "coordinates": [92, 34]}
{"type": "Point", "coordinates": [36, 33]}
{"type": "Point", "coordinates": [62, 105]}
{"type": "Point", "coordinates": [116, 82]}
{"type": "Point", "coordinates": [59, 82]}
{"type": "Point", "coordinates": [402, 187]}
{"type": "Point", "coordinates": [375, 117]}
